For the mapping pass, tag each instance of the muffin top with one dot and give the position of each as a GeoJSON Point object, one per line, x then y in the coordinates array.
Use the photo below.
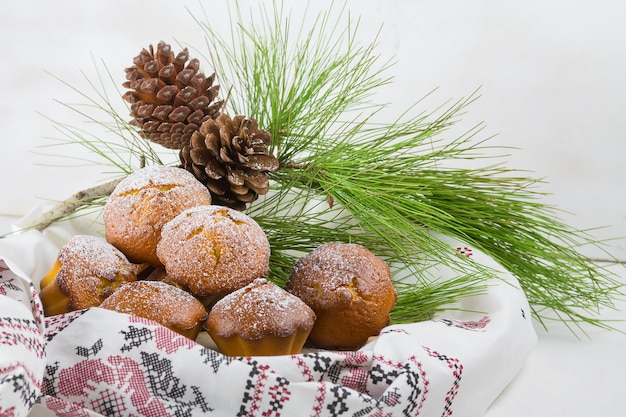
{"type": "Point", "coordinates": [213, 250]}
{"type": "Point", "coordinates": [143, 202]}
{"type": "Point", "coordinates": [259, 309]}
{"type": "Point", "coordinates": [88, 257]}
{"type": "Point", "coordinates": [350, 291]}
{"type": "Point", "coordinates": [334, 274]}
{"type": "Point", "coordinates": [158, 301]}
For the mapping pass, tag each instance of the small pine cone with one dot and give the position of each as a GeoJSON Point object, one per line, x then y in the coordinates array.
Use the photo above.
{"type": "Point", "coordinates": [168, 100]}
{"type": "Point", "coordinates": [232, 158]}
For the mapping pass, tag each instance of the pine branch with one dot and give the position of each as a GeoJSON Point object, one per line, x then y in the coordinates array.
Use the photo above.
{"type": "Point", "coordinates": [70, 206]}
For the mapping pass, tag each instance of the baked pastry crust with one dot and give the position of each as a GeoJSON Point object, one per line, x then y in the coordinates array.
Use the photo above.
{"type": "Point", "coordinates": [213, 250]}
{"type": "Point", "coordinates": [87, 270]}
{"type": "Point", "coordinates": [258, 320]}
{"type": "Point", "coordinates": [350, 291]}
{"type": "Point", "coordinates": [158, 301]}
{"type": "Point", "coordinates": [143, 203]}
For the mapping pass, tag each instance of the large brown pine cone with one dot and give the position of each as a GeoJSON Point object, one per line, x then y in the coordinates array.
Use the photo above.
{"type": "Point", "coordinates": [232, 158]}
{"type": "Point", "coordinates": [169, 101]}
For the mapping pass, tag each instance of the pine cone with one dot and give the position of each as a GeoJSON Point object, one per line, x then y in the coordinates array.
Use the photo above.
{"type": "Point", "coordinates": [169, 101]}
{"type": "Point", "coordinates": [232, 158]}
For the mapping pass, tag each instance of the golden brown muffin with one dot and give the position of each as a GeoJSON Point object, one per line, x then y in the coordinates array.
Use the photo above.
{"type": "Point", "coordinates": [143, 202]}
{"type": "Point", "coordinates": [350, 291]}
{"type": "Point", "coordinates": [260, 319]}
{"type": "Point", "coordinates": [155, 300]}
{"type": "Point", "coordinates": [213, 250]}
{"type": "Point", "coordinates": [87, 270]}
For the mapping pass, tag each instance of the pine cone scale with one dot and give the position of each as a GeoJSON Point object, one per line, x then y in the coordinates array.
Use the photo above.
{"type": "Point", "coordinates": [199, 103]}
{"type": "Point", "coordinates": [259, 162]}
{"type": "Point", "coordinates": [168, 73]}
{"type": "Point", "coordinates": [195, 118]}
{"type": "Point", "coordinates": [214, 170]}
{"type": "Point", "coordinates": [257, 181]}
{"type": "Point", "coordinates": [200, 156]}
{"type": "Point", "coordinates": [166, 94]}
{"type": "Point", "coordinates": [146, 110]}
{"type": "Point", "coordinates": [212, 144]}
{"type": "Point", "coordinates": [235, 178]}
{"type": "Point", "coordinates": [160, 112]}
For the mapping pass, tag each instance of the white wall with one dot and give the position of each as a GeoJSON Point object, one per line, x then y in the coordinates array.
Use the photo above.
{"type": "Point", "coordinates": [552, 78]}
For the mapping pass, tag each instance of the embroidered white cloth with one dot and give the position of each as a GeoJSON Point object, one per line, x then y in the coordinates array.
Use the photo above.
{"type": "Point", "coordinates": [100, 363]}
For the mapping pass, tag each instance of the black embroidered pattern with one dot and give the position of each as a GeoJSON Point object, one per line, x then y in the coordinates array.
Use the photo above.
{"type": "Point", "coordinates": [214, 358]}
{"type": "Point", "coordinates": [334, 372]}
{"type": "Point", "coordinates": [321, 363]}
{"type": "Point", "coordinates": [412, 379]}
{"type": "Point", "coordinates": [339, 405]}
{"type": "Point", "coordinates": [15, 331]}
{"type": "Point", "coordinates": [366, 412]}
{"type": "Point", "coordinates": [9, 284]}
{"type": "Point", "coordinates": [87, 352]}
{"type": "Point", "coordinates": [135, 336]}
{"type": "Point", "coordinates": [22, 384]}
{"type": "Point", "coordinates": [163, 383]}
{"type": "Point", "coordinates": [279, 393]}
{"type": "Point", "coordinates": [391, 397]}
{"type": "Point", "coordinates": [247, 402]}
{"type": "Point", "coordinates": [109, 403]}
{"type": "Point", "coordinates": [49, 378]}
{"type": "Point", "coordinates": [55, 324]}
{"type": "Point", "coordinates": [379, 375]}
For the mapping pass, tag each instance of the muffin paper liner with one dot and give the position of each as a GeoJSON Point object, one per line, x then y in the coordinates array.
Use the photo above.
{"type": "Point", "coordinates": [97, 362]}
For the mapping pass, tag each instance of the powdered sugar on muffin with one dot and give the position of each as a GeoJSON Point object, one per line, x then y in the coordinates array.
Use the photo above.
{"type": "Point", "coordinates": [213, 250]}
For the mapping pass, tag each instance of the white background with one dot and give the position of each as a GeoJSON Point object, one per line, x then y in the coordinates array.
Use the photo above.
{"type": "Point", "coordinates": [552, 78]}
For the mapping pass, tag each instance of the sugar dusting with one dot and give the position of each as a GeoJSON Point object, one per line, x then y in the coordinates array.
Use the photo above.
{"type": "Point", "coordinates": [213, 249]}
{"type": "Point", "coordinates": [157, 301]}
{"type": "Point", "coordinates": [156, 181]}
{"type": "Point", "coordinates": [335, 273]}
{"type": "Point", "coordinates": [143, 202]}
{"type": "Point", "coordinates": [156, 175]}
{"type": "Point", "coordinates": [350, 290]}
{"type": "Point", "coordinates": [85, 255]}
{"type": "Point", "coordinates": [260, 309]}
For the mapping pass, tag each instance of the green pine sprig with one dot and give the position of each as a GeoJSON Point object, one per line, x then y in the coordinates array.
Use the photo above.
{"type": "Point", "coordinates": [313, 91]}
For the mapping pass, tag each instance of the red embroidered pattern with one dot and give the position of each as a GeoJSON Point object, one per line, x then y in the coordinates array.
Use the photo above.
{"type": "Point", "coordinates": [7, 412]}
{"type": "Point", "coordinates": [302, 364]}
{"type": "Point", "coordinates": [468, 324]}
{"type": "Point", "coordinates": [425, 382]}
{"type": "Point", "coordinates": [457, 370]}
{"type": "Point", "coordinates": [318, 405]}
{"type": "Point", "coordinates": [166, 339]}
{"type": "Point", "coordinates": [23, 333]}
{"type": "Point", "coordinates": [106, 384]}
{"type": "Point", "coordinates": [65, 409]}
{"type": "Point", "coordinates": [465, 251]}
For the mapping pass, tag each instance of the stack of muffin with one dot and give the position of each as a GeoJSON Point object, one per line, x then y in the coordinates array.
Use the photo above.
{"type": "Point", "coordinates": [171, 256]}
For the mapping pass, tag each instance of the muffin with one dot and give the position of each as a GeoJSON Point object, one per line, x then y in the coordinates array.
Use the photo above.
{"type": "Point", "coordinates": [260, 319]}
{"type": "Point", "coordinates": [213, 250]}
{"type": "Point", "coordinates": [158, 301]}
{"type": "Point", "coordinates": [143, 202]}
{"type": "Point", "coordinates": [87, 270]}
{"type": "Point", "coordinates": [350, 291]}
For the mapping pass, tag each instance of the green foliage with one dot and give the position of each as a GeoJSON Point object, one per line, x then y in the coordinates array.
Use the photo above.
{"type": "Point", "coordinates": [315, 92]}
